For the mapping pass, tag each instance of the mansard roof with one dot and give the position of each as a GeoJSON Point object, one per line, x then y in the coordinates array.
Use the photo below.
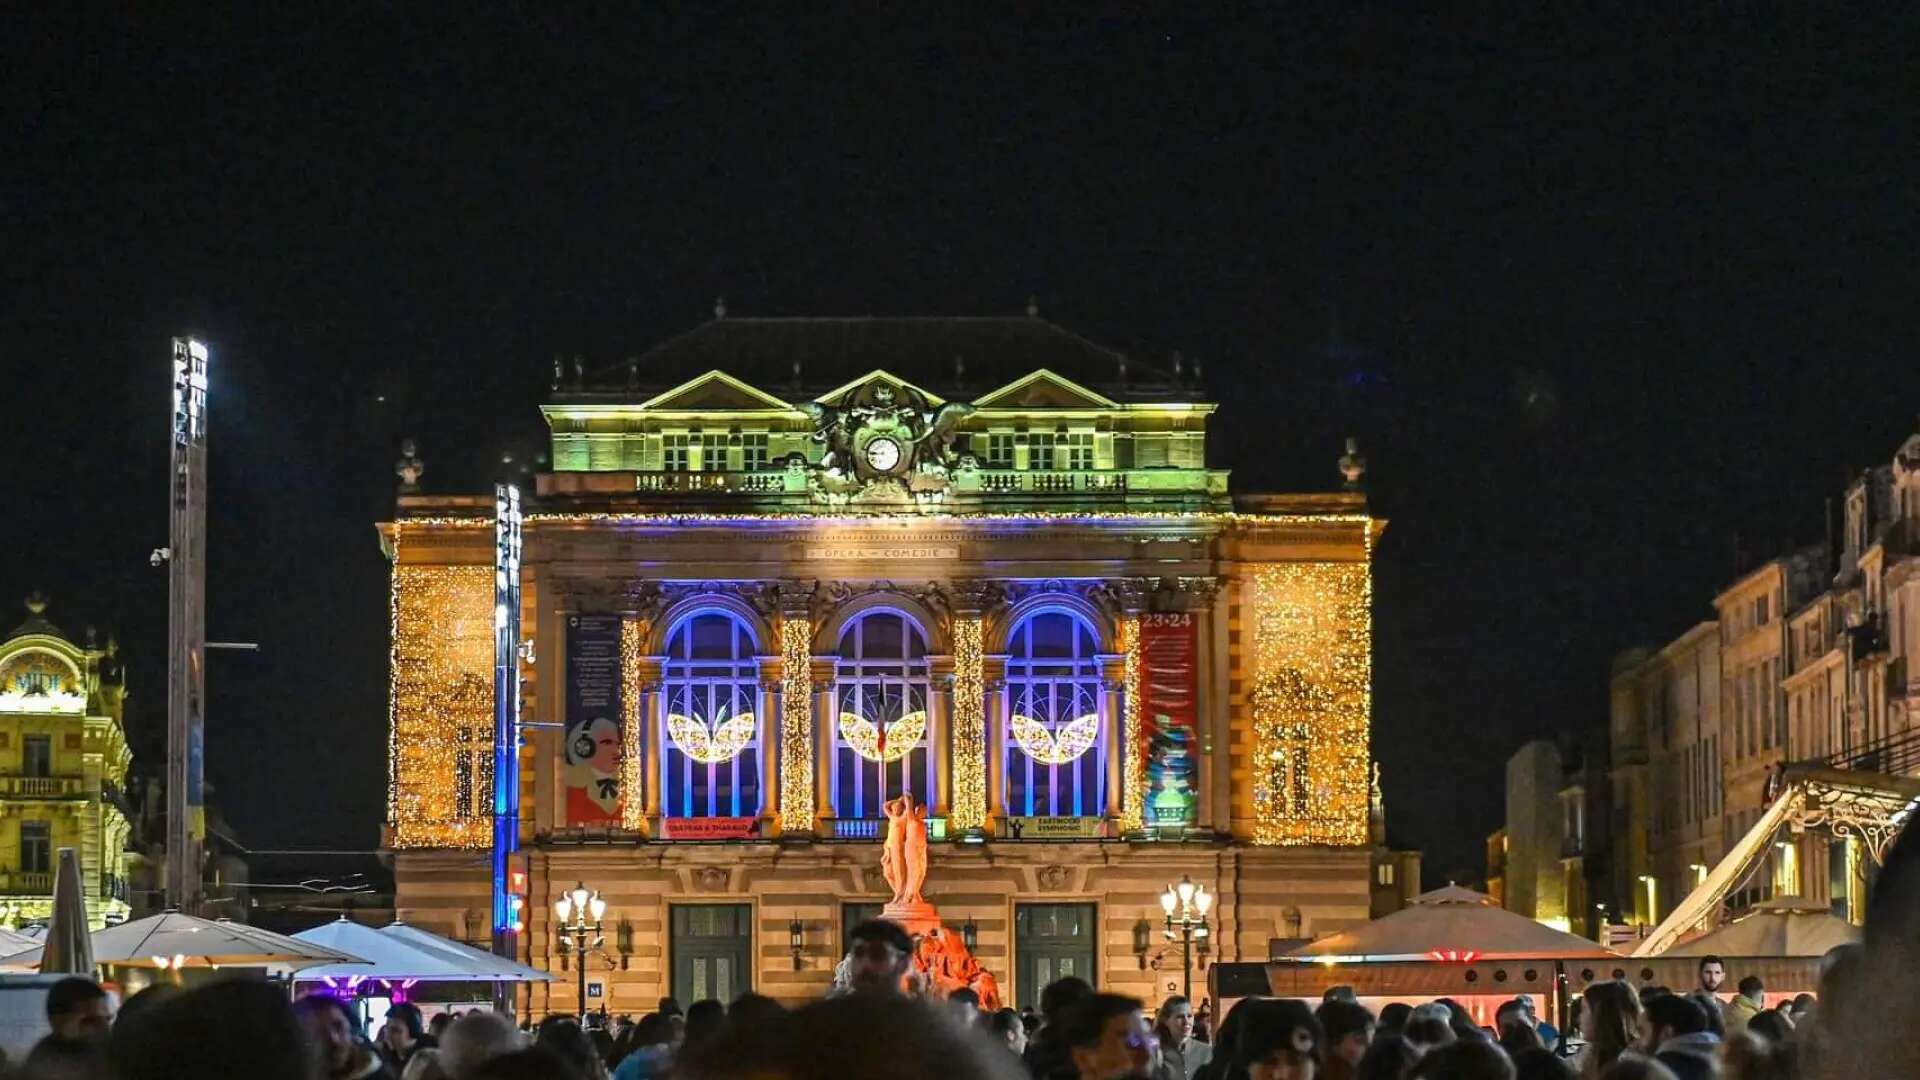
{"type": "Point", "coordinates": [801, 358]}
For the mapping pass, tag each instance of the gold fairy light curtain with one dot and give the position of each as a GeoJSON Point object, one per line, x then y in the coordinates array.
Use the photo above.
{"type": "Point", "coordinates": [1311, 701]}
{"type": "Point", "coordinates": [441, 736]}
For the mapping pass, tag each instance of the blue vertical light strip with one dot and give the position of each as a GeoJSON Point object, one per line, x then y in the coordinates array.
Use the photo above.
{"type": "Point", "coordinates": [506, 707]}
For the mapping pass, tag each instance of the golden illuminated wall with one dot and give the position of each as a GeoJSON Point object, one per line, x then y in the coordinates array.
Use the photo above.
{"type": "Point", "coordinates": [441, 706]}
{"type": "Point", "coordinates": [1311, 701]}
{"type": "Point", "coordinates": [967, 804]}
{"type": "Point", "coordinates": [796, 724]}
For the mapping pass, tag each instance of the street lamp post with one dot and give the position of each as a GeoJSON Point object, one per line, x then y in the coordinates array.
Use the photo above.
{"type": "Point", "coordinates": [580, 911]}
{"type": "Point", "coordinates": [1186, 905]}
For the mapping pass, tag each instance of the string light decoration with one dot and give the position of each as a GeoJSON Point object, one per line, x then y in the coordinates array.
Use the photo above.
{"type": "Point", "coordinates": [1074, 738]}
{"type": "Point", "coordinates": [884, 745]}
{"type": "Point", "coordinates": [441, 705]}
{"type": "Point", "coordinates": [633, 804]}
{"type": "Point", "coordinates": [796, 723]}
{"type": "Point", "coordinates": [1133, 765]}
{"type": "Point", "coordinates": [967, 772]}
{"type": "Point", "coordinates": [711, 746]}
{"type": "Point", "coordinates": [1312, 700]}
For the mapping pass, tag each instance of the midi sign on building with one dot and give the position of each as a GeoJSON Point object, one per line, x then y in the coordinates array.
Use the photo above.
{"type": "Point", "coordinates": [981, 567]}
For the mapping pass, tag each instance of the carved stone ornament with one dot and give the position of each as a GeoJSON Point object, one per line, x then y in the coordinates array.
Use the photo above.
{"type": "Point", "coordinates": [1053, 878]}
{"type": "Point", "coordinates": [712, 878]}
{"type": "Point", "coordinates": [885, 444]}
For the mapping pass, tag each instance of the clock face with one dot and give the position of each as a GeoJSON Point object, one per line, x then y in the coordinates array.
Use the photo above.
{"type": "Point", "coordinates": [883, 454]}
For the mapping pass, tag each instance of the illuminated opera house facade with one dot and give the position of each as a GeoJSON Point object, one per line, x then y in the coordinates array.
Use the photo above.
{"type": "Point", "coordinates": [783, 570]}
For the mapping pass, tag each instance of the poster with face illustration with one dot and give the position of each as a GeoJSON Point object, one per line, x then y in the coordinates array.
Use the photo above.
{"type": "Point", "coordinates": [592, 771]}
{"type": "Point", "coordinates": [1168, 646]}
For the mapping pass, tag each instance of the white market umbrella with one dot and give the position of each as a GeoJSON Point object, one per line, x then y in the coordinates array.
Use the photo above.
{"type": "Point", "coordinates": [1452, 924]}
{"type": "Point", "coordinates": [68, 949]}
{"type": "Point", "coordinates": [13, 942]}
{"type": "Point", "coordinates": [1786, 927]}
{"type": "Point", "coordinates": [401, 952]}
{"type": "Point", "coordinates": [175, 940]}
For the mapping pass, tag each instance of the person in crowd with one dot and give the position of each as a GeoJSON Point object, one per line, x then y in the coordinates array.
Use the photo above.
{"type": "Point", "coordinates": [437, 1027]}
{"type": "Point", "coordinates": [1465, 1059]}
{"type": "Point", "coordinates": [1279, 1040]}
{"type": "Point", "coordinates": [1203, 1021]}
{"type": "Point", "coordinates": [1772, 1025]}
{"type": "Point", "coordinates": [566, 1040]}
{"type": "Point", "coordinates": [1173, 1026]}
{"type": "Point", "coordinates": [1712, 974]}
{"type": "Point", "coordinates": [853, 1037]}
{"type": "Point", "coordinates": [1517, 1036]}
{"type": "Point", "coordinates": [1549, 1035]}
{"type": "Point", "coordinates": [1347, 1030]}
{"type": "Point", "coordinates": [528, 1063]}
{"type": "Point", "coordinates": [1107, 1038]}
{"type": "Point", "coordinates": [1340, 993]}
{"type": "Point", "coordinates": [650, 1048]}
{"type": "Point", "coordinates": [403, 1033]}
{"type": "Point", "coordinates": [227, 1029]}
{"type": "Point", "coordinates": [1635, 1067]}
{"type": "Point", "coordinates": [1461, 1020]}
{"type": "Point", "coordinates": [1047, 1056]}
{"type": "Point", "coordinates": [750, 1008]}
{"type": "Point", "coordinates": [1541, 1065]}
{"type": "Point", "coordinates": [424, 1065]}
{"type": "Point", "coordinates": [879, 952]}
{"type": "Point", "coordinates": [1007, 1026]}
{"type": "Point", "coordinates": [1391, 1057]}
{"type": "Point", "coordinates": [1675, 1024]}
{"type": "Point", "coordinates": [706, 1019]}
{"type": "Point", "coordinates": [1512, 1011]}
{"type": "Point", "coordinates": [476, 1037]}
{"type": "Point", "coordinates": [80, 1016]}
{"type": "Point", "coordinates": [1745, 1005]}
{"type": "Point", "coordinates": [1750, 1056]}
{"type": "Point", "coordinates": [965, 1006]}
{"type": "Point", "coordinates": [335, 1032]}
{"type": "Point", "coordinates": [1610, 1018]}
{"type": "Point", "coordinates": [1226, 1044]}
{"type": "Point", "coordinates": [1709, 1007]}
{"type": "Point", "coordinates": [1801, 1010]}
{"type": "Point", "coordinates": [1428, 1032]}
{"type": "Point", "coordinates": [1393, 1018]}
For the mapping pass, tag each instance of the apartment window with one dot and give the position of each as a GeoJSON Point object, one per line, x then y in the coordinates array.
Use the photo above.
{"type": "Point", "coordinates": [1040, 451]}
{"type": "Point", "coordinates": [1383, 874]}
{"type": "Point", "coordinates": [36, 847]}
{"type": "Point", "coordinates": [1760, 611]}
{"type": "Point", "coordinates": [36, 755]}
{"type": "Point", "coordinates": [678, 451]}
{"type": "Point", "coordinates": [1079, 449]}
{"type": "Point", "coordinates": [999, 452]}
{"type": "Point", "coordinates": [753, 452]}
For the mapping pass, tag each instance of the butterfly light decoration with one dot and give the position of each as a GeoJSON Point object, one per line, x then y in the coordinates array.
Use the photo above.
{"type": "Point", "coordinates": [1060, 747]}
{"type": "Point", "coordinates": [884, 745]}
{"type": "Point", "coordinates": [722, 743]}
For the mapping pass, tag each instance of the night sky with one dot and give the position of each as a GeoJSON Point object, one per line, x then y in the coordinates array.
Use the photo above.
{"type": "Point", "coordinates": [1603, 302]}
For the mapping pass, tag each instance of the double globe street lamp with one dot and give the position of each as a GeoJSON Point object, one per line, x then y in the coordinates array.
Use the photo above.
{"type": "Point", "coordinates": [580, 910]}
{"type": "Point", "coordinates": [1186, 905]}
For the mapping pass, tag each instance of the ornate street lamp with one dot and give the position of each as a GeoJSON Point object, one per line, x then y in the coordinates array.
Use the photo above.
{"type": "Point", "coordinates": [580, 910]}
{"type": "Point", "coordinates": [1186, 906]}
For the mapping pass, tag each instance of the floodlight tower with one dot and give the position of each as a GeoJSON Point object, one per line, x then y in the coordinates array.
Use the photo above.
{"type": "Point", "coordinates": [186, 558]}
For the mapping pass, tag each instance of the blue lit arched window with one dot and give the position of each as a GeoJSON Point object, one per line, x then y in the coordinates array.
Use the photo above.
{"type": "Point", "coordinates": [710, 735]}
{"type": "Point", "coordinates": [1056, 739]}
{"type": "Point", "coordinates": [880, 744]}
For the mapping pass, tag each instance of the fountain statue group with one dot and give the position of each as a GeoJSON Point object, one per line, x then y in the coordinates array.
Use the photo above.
{"type": "Point", "coordinates": [941, 960]}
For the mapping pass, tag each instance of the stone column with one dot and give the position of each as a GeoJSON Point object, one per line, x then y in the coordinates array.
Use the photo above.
{"type": "Point", "coordinates": [993, 677]}
{"type": "Point", "coordinates": [1113, 690]}
{"type": "Point", "coordinates": [768, 718]}
{"type": "Point", "coordinates": [647, 677]}
{"type": "Point", "coordinates": [825, 720]}
{"type": "Point", "coordinates": [939, 732]}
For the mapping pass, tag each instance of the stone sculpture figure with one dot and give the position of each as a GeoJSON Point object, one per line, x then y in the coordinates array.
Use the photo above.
{"type": "Point", "coordinates": [903, 860]}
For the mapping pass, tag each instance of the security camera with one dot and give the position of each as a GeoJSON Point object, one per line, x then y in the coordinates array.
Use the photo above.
{"type": "Point", "coordinates": [160, 555]}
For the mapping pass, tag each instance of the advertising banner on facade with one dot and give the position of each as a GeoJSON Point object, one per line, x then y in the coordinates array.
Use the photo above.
{"type": "Point", "coordinates": [1055, 828]}
{"type": "Point", "coordinates": [592, 770]}
{"type": "Point", "coordinates": [1170, 716]}
{"type": "Point", "coordinates": [708, 828]}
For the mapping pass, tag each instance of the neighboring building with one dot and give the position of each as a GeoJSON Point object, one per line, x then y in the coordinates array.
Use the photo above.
{"type": "Point", "coordinates": [1497, 866]}
{"type": "Point", "coordinates": [1533, 883]}
{"type": "Point", "coordinates": [63, 764]}
{"type": "Point", "coordinates": [1396, 867]}
{"type": "Point", "coordinates": [981, 560]}
{"type": "Point", "coordinates": [1811, 657]}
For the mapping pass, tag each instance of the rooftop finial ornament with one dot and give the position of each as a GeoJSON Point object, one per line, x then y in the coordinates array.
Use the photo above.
{"type": "Point", "coordinates": [1353, 464]}
{"type": "Point", "coordinates": [1033, 306]}
{"type": "Point", "coordinates": [719, 307]}
{"type": "Point", "coordinates": [36, 602]}
{"type": "Point", "coordinates": [409, 468]}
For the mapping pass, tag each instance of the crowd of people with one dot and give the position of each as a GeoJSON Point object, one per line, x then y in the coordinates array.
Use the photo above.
{"type": "Point", "coordinates": [874, 1025]}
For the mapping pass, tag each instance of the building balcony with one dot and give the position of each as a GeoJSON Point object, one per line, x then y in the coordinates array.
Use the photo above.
{"type": "Point", "coordinates": [43, 787]}
{"type": "Point", "coordinates": [976, 483]}
{"type": "Point", "coordinates": [26, 883]}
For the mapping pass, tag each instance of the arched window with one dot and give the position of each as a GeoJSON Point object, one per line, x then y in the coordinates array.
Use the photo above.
{"type": "Point", "coordinates": [710, 734]}
{"type": "Point", "coordinates": [1056, 737]}
{"type": "Point", "coordinates": [880, 745]}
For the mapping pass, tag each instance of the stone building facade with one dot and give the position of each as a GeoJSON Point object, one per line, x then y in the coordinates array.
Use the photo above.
{"type": "Point", "coordinates": [783, 570]}
{"type": "Point", "coordinates": [1811, 656]}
